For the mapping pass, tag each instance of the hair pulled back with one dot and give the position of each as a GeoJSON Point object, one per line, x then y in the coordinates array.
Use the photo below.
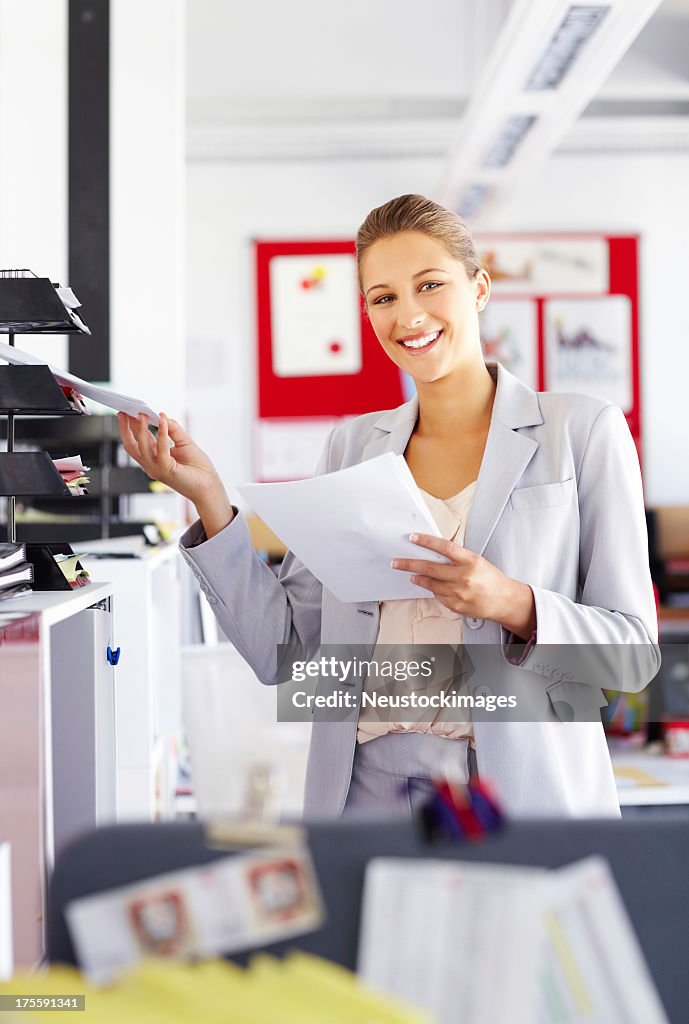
{"type": "Point", "coordinates": [417, 213]}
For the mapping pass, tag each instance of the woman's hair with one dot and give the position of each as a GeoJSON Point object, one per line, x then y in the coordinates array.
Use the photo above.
{"type": "Point", "coordinates": [417, 213]}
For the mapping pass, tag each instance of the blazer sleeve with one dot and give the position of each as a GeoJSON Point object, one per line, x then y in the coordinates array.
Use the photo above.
{"type": "Point", "coordinates": [256, 610]}
{"type": "Point", "coordinates": [608, 637]}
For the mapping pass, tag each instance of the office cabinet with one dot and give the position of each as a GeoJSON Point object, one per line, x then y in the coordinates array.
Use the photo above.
{"type": "Point", "coordinates": [57, 739]}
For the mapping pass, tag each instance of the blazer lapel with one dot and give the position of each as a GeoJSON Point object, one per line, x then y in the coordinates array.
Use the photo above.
{"type": "Point", "coordinates": [394, 428]}
{"type": "Point", "coordinates": [506, 456]}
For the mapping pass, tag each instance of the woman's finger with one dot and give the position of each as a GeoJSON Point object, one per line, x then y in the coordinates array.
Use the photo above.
{"type": "Point", "coordinates": [163, 440]}
{"type": "Point", "coordinates": [177, 432]}
{"type": "Point", "coordinates": [440, 588]}
{"type": "Point", "coordinates": [438, 570]}
{"type": "Point", "coordinates": [447, 548]}
{"type": "Point", "coordinates": [145, 438]}
{"type": "Point", "coordinates": [129, 442]}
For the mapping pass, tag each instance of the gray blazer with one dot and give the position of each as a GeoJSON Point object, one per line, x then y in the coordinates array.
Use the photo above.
{"type": "Point", "coordinates": [558, 505]}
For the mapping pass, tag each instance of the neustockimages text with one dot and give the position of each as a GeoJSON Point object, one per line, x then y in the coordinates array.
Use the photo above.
{"type": "Point", "coordinates": [347, 671]}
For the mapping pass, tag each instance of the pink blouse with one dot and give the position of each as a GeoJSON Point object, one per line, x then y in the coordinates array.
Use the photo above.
{"type": "Point", "coordinates": [422, 621]}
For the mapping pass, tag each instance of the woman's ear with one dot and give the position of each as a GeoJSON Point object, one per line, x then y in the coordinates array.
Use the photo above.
{"type": "Point", "coordinates": [482, 285]}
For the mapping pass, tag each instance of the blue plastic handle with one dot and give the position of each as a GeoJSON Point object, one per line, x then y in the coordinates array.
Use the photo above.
{"type": "Point", "coordinates": [113, 656]}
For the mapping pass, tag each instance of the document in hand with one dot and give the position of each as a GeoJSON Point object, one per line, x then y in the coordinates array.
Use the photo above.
{"type": "Point", "coordinates": [103, 396]}
{"type": "Point", "coordinates": [347, 526]}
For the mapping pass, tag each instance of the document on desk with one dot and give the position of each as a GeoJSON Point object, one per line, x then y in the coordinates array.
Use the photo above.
{"type": "Point", "coordinates": [103, 396]}
{"type": "Point", "coordinates": [487, 943]}
{"type": "Point", "coordinates": [348, 525]}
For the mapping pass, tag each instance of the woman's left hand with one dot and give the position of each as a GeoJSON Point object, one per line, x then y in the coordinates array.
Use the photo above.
{"type": "Point", "coordinates": [471, 586]}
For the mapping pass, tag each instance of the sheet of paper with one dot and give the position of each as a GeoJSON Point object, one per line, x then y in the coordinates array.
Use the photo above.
{"type": "Point", "coordinates": [593, 968]}
{"type": "Point", "coordinates": [232, 904]}
{"type": "Point", "coordinates": [348, 525]}
{"type": "Point", "coordinates": [505, 943]}
{"type": "Point", "coordinates": [461, 940]}
{"type": "Point", "coordinates": [103, 396]}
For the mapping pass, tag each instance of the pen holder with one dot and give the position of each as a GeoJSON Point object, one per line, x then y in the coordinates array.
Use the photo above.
{"type": "Point", "coordinates": [459, 812]}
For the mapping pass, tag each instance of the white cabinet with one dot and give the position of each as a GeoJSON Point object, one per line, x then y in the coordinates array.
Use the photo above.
{"type": "Point", "coordinates": [145, 583]}
{"type": "Point", "coordinates": [57, 739]}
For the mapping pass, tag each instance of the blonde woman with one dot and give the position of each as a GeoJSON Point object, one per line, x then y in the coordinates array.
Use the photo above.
{"type": "Point", "coordinates": [538, 499]}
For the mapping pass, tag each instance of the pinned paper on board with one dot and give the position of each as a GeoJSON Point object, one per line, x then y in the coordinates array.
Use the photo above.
{"type": "Point", "coordinates": [544, 265]}
{"type": "Point", "coordinates": [315, 317]}
{"type": "Point", "coordinates": [588, 345]}
{"type": "Point", "coordinates": [509, 333]}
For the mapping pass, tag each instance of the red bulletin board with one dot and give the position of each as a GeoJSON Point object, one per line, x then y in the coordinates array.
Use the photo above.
{"type": "Point", "coordinates": [376, 385]}
{"type": "Point", "coordinates": [563, 315]}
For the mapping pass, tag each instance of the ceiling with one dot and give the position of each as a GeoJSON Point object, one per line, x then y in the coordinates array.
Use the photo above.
{"type": "Point", "coordinates": [392, 78]}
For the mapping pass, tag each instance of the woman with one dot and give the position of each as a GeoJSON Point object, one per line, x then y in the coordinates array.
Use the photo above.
{"type": "Point", "coordinates": [538, 498]}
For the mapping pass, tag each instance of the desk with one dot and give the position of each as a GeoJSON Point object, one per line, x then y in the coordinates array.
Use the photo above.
{"type": "Point", "coordinates": [57, 739]}
{"type": "Point", "coordinates": [648, 780]}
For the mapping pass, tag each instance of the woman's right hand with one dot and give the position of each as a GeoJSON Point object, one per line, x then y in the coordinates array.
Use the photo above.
{"type": "Point", "coordinates": [185, 467]}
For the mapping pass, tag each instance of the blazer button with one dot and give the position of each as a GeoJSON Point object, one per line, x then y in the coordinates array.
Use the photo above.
{"type": "Point", "coordinates": [474, 623]}
{"type": "Point", "coordinates": [483, 691]}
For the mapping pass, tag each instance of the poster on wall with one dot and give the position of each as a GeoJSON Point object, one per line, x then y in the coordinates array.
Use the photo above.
{"type": "Point", "coordinates": [315, 321]}
{"type": "Point", "coordinates": [544, 265]}
{"type": "Point", "coordinates": [588, 347]}
{"type": "Point", "coordinates": [509, 335]}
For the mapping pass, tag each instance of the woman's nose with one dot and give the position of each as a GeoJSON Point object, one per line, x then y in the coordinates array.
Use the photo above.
{"type": "Point", "coordinates": [410, 314]}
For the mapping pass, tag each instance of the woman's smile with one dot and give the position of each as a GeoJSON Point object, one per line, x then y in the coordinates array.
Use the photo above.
{"type": "Point", "coordinates": [417, 344]}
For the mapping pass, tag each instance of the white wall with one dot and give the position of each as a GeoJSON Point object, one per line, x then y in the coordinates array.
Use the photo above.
{"type": "Point", "coordinates": [644, 194]}
{"type": "Point", "coordinates": [147, 169]}
{"type": "Point", "coordinates": [229, 204]}
{"type": "Point", "coordinates": [33, 161]}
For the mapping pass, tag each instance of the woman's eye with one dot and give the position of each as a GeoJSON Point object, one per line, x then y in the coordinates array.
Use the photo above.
{"type": "Point", "coordinates": [430, 285]}
{"type": "Point", "coordinates": [382, 300]}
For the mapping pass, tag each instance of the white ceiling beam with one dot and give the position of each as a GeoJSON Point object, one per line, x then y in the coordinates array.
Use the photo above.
{"type": "Point", "coordinates": [518, 116]}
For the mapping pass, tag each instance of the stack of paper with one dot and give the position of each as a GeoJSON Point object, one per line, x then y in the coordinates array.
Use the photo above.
{"type": "Point", "coordinates": [16, 574]}
{"type": "Point", "coordinates": [347, 526]}
{"type": "Point", "coordinates": [75, 575]}
{"type": "Point", "coordinates": [488, 943]}
{"type": "Point", "coordinates": [74, 473]}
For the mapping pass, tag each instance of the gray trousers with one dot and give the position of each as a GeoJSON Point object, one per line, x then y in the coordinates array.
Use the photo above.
{"type": "Point", "coordinates": [392, 774]}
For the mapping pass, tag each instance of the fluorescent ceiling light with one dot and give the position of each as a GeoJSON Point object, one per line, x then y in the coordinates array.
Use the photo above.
{"type": "Point", "coordinates": [576, 28]}
{"type": "Point", "coordinates": [472, 200]}
{"type": "Point", "coordinates": [505, 146]}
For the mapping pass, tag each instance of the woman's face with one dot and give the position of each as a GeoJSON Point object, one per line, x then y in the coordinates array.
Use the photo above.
{"type": "Point", "coordinates": [422, 304]}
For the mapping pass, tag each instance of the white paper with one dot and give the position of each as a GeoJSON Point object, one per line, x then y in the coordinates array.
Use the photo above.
{"type": "Point", "coordinates": [70, 464]}
{"type": "Point", "coordinates": [492, 942]}
{"type": "Point", "coordinates": [315, 315]}
{"type": "Point", "coordinates": [592, 957]}
{"type": "Point", "coordinates": [232, 904]}
{"type": "Point", "coordinates": [460, 940]}
{"type": "Point", "coordinates": [347, 526]}
{"type": "Point", "coordinates": [103, 396]}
